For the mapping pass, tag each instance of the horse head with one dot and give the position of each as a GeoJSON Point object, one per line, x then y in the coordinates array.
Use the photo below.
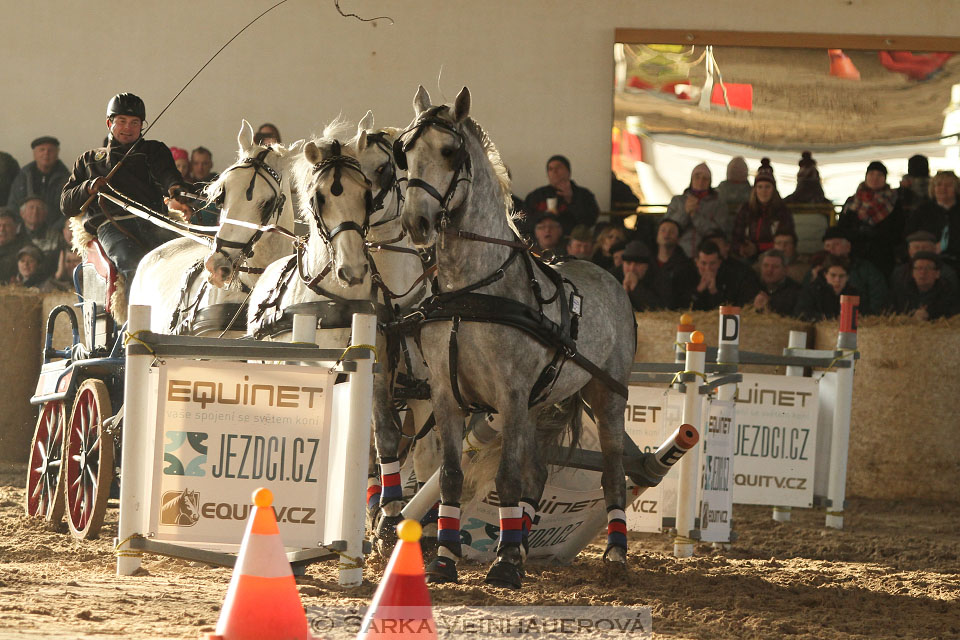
{"type": "Point", "coordinates": [340, 203]}
{"type": "Point", "coordinates": [377, 161]}
{"type": "Point", "coordinates": [434, 153]}
{"type": "Point", "coordinates": [249, 193]}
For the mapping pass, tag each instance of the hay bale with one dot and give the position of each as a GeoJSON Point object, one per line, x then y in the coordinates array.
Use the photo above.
{"type": "Point", "coordinates": [759, 332]}
{"type": "Point", "coordinates": [20, 363]}
{"type": "Point", "coordinates": [62, 335]}
{"type": "Point", "coordinates": [903, 428]}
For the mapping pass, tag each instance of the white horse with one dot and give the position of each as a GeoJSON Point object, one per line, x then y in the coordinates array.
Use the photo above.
{"type": "Point", "coordinates": [400, 284]}
{"type": "Point", "coordinates": [329, 275]}
{"type": "Point", "coordinates": [171, 278]}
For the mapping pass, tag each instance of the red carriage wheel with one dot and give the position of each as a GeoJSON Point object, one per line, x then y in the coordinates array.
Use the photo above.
{"type": "Point", "coordinates": [88, 460]}
{"type": "Point", "coordinates": [44, 498]}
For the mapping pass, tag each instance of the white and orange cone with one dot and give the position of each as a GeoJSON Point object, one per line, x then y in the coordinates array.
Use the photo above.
{"type": "Point", "coordinates": [401, 606]}
{"type": "Point", "coordinates": [262, 601]}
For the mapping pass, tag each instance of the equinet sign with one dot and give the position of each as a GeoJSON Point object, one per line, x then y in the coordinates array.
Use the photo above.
{"type": "Point", "coordinates": [204, 392]}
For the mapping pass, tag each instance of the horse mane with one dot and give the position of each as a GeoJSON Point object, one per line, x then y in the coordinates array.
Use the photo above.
{"type": "Point", "coordinates": [499, 169]}
{"type": "Point", "coordinates": [302, 176]}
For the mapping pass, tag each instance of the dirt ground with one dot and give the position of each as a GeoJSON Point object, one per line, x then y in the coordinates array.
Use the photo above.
{"type": "Point", "coordinates": [893, 572]}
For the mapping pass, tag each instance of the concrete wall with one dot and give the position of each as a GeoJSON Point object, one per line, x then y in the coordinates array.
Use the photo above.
{"type": "Point", "coordinates": [541, 71]}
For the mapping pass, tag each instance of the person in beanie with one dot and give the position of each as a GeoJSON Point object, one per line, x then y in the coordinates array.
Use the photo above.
{"type": "Point", "coordinates": [573, 204]}
{"type": "Point", "coordinates": [925, 295]}
{"type": "Point", "coordinates": [809, 188]}
{"type": "Point", "coordinates": [914, 188]}
{"type": "Point", "coordinates": [148, 175]}
{"type": "Point", "coordinates": [699, 210]}
{"type": "Point", "coordinates": [182, 159]}
{"type": "Point", "coordinates": [735, 190]}
{"type": "Point", "coordinates": [761, 217]}
{"type": "Point", "coordinates": [873, 221]}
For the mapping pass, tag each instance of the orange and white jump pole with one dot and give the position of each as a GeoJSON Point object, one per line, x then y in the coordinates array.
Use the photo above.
{"type": "Point", "coordinates": [689, 466]}
{"type": "Point", "coordinates": [840, 436]}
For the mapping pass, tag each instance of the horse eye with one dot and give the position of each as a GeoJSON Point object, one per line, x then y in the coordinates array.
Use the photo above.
{"type": "Point", "coordinates": [381, 168]}
{"type": "Point", "coordinates": [446, 152]}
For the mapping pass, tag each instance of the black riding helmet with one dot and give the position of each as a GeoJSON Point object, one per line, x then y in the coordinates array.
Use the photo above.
{"type": "Point", "coordinates": [126, 104]}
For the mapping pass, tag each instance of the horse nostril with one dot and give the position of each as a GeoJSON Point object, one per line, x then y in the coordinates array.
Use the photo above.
{"type": "Point", "coordinates": [423, 226]}
{"type": "Point", "coordinates": [224, 272]}
{"type": "Point", "coordinates": [342, 275]}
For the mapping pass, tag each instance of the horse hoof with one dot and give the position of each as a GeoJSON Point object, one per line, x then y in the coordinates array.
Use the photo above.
{"type": "Point", "coordinates": [387, 534]}
{"type": "Point", "coordinates": [615, 555]}
{"type": "Point", "coordinates": [505, 574]}
{"type": "Point", "coordinates": [442, 570]}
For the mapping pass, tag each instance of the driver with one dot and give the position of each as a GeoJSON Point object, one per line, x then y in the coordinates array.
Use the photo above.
{"type": "Point", "coordinates": [148, 176]}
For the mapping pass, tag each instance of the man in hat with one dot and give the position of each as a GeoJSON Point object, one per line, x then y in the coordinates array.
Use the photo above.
{"type": "Point", "coordinates": [914, 187]}
{"type": "Point", "coordinates": [29, 267]}
{"type": "Point", "coordinates": [549, 234]}
{"type": "Point", "coordinates": [43, 177]}
{"type": "Point", "coordinates": [12, 238]}
{"type": "Point", "coordinates": [863, 276]}
{"type": "Point", "coordinates": [923, 241]}
{"type": "Point", "coordinates": [571, 203]}
{"type": "Point", "coordinates": [580, 243]}
{"type": "Point", "coordinates": [638, 278]}
{"type": "Point", "coordinates": [148, 175]}
{"type": "Point", "coordinates": [925, 295]}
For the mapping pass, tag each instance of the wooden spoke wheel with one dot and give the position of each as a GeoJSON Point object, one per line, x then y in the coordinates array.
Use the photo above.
{"type": "Point", "coordinates": [44, 498]}
{"type": "Point", "coordinates": [88, 460]}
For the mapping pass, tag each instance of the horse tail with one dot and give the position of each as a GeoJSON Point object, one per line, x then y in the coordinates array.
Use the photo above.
{"type": "Point", "coordinates": [561, 422]}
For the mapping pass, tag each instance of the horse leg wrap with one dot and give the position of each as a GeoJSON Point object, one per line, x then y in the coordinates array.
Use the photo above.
{"type": "Point", "coordinates": [511, 526]}
{"type": "Point", "coordinates": [616, 528]}
{"type": "Point", "coordinates": [448, 531]}
{"type": "Point", "coordinates": [431, 516]}
{"type": "Point", "coordinates": [390, 474]}
{"type": "Point", "coordinates": [529, 506]}
{"type": "Point", "coordinates": [373, 494]}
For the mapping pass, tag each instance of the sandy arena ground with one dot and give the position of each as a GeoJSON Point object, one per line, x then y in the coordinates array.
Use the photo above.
{"type": "Point", "coordinates": [893, 572]}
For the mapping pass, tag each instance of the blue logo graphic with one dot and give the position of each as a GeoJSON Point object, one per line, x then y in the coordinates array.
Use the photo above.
{"type": "Point", "coordinates": [194, 453]}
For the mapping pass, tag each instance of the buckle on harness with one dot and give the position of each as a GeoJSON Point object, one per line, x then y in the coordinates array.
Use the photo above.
{"type": "Point", "coordinates": [576, 304]}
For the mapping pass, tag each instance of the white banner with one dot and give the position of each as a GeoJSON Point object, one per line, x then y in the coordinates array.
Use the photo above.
{"type": "Point", "coordinates": [716, 497]}
{"type": "Point", "coordinates": [225, 429]}
{"type": "Point", "coordinates": [776, 440]}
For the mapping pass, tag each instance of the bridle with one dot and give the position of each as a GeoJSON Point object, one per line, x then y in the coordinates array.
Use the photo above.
{"type": "Point", "coordinates": [275, 180]}
{"type": "Point", "coordinates": [337, 163]}
{"type": "Point", "coordinates": [461, 159]}
{"type": "Point", "coordinates": [388, 180]}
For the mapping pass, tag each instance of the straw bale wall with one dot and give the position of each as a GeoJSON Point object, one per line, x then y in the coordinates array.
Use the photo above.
{"type": "Point", "coordinates": [21, 323]}
{"type": "Point", "coordinates": [904, 429]}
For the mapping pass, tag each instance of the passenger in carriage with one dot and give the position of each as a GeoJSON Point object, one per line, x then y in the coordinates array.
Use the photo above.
{"type": "Point", "coordinates": [148, 175]}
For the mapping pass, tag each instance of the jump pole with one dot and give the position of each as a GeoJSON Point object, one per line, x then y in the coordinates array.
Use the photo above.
{"type": "Point", "coordinates": [304, 329]}
{"type": "Point", "coordinates": [356, 449]}
{"type": "Point", "coordinates": [840, 436]}
{"type": "Point", "coordinates": [136, 436]}
{"type": "Point", "coordinates": [689, 465]}
{"type": "Point", "coordinates": [798, 340]}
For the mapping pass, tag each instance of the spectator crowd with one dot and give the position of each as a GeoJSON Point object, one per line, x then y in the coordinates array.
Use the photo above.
{"type": "Point", "coordinates": [736, 243]}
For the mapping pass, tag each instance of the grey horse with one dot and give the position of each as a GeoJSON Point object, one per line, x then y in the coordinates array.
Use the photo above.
{"type": "Point", "coordinates": [458, 200]}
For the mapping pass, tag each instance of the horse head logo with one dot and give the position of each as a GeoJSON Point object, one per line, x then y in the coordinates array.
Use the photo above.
{"type": "Point", "coordinates": [180, 508]}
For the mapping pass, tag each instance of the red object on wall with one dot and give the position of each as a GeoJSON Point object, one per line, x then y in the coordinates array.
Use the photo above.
{"type": "Point", "coordinates": [739, 95]}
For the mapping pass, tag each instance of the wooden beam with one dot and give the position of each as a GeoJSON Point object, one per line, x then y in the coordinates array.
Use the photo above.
{"type": "Point", "coordinates": [788, 40]}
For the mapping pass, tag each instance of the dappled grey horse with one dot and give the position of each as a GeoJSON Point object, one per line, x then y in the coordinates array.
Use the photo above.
{"type": "Point", "coordinates": [507, 333]}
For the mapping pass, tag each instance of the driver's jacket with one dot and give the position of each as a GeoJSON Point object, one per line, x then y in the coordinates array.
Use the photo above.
{"type": "Point", "coordinates": [145, 176]}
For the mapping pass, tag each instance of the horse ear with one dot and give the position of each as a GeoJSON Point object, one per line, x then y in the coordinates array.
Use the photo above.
{"type": "Point", "coordinates": [421, 101]}
{"type": "Point", "coordinates": [311, 152]}
{"type": "Point", "coordinates": [461, 108]}
{"type": "Point", "coordinates": [362, 141]}
{"type": "Point", "coordinates": [245, 137]}
{"type": "Point", "coordinates": [366, 122]}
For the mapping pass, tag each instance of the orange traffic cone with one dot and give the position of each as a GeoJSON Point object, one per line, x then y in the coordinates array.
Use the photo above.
{"type": "Point", "coordinates": [262, 601]}
{"type": "Point", "coordinates": [401, 606]}
{"type": "Point", "coordinates": [841, 66]}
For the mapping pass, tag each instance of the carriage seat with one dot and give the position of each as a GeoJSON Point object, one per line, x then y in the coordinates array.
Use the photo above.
{"type": "Point", "coordinates": [99, 280]}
